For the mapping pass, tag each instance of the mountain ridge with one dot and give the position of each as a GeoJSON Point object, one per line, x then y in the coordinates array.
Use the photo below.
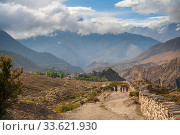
{"type": "Point", "coordinates": [8, 43]}
{"type": "Point", "coordinates": [170, 45]}
{"type": "Point", "coordinates": [19, 60]}
{"type": "Point", "coordinates": [167, 50]}
{"type": "Point", "coordinates": [161, 33]}
{"type": "Point", "coordinates": [81, 50]}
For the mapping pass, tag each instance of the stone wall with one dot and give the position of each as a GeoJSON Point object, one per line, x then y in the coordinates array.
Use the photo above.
{"type": "Point", "coordinates": [156, 107]}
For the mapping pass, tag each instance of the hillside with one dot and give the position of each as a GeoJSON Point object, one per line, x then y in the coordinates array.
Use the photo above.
{"type": "Point", "coordinates": [161, 58]}
{"type": "Point", "coordinates": [166, 74]}
{"type": "Point", "coordinates": [171, 45]}
{"type": "Point", "coordinates": [109, 74]}
{"type": "Point", "coordinates": [43, 98]}
{"type": "Point", "coordinates": [42, 95]}
{"type": "Point", "coordinates": [41, 59]}
{"type": "Point", "coordinates": [20, 61]}
{"type": "Point", "coordinates": [156, 55]}
{"type": "Point", "coordinates": [96, 66]}
{"type": "Point", "coordinates": [81, 50]}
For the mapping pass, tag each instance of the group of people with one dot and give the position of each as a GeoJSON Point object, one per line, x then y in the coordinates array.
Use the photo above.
{"type": "Point", "coordinates": [122, 89]}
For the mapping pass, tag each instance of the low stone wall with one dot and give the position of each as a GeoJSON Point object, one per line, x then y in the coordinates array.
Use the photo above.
{"type": "Point", "coordinates": [156, 107]}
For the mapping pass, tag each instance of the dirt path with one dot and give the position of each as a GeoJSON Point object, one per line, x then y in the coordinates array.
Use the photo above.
{"type": "Point", "coordinates": [112, 106]}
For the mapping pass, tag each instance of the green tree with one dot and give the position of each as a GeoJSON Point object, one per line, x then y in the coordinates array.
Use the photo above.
{"type": "Point", "coordinates": [10, 85]}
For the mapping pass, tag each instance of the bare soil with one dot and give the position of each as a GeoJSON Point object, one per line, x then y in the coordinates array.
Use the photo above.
{"type": "Point", "coordinates": [112, 106]}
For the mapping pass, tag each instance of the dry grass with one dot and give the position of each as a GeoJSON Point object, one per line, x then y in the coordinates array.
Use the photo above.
{"type": "Point", "coordinates": [51, 94]}
{"type": "Point", "coordinates": [174, 95]}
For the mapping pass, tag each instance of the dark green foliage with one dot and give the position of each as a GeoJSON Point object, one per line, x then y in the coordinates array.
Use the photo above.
{"type": "Point", "coordinates": [39, 73]}
{"type": "Point", "coordinates": [56, 75]}
{"type": "Point", "coordinates": [65, 108]}
{"type": "Point", "coordinates": [10, 85]}
{"type": "Point", "coordinates": [91, 78]}
{"type": "Point", "coordinates": [52, 74]}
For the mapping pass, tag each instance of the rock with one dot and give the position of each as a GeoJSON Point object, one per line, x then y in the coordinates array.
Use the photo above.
{"type": "Point", "coordinates": [167, 74]}
{"type": "Point", "coordinates": [109, 74]}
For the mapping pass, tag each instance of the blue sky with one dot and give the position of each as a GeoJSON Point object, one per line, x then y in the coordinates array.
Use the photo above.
{"type": "Point", "coordinates": [109, 6]}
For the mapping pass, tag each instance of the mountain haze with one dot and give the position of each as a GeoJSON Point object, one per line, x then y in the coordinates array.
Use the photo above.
{"type": "Point", "coordinates": [41, 59]}
{"type": "Point", "coordinates": [81, 50]}
{"type": "Point", "coordinates": [95, 66]}
{"type": "Point", "coordinates": [171, 45]}
{"type": "Point", "coordinates": [156, 55]}
{"type": "Point", "coordinates": [20, 61]}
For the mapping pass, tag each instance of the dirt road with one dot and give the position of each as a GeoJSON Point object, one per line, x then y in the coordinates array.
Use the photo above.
{"type": "Point", "coordinates": [112, 106]}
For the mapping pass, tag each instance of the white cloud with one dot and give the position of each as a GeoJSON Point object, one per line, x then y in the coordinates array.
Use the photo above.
{"type": "Point", "coordinates": [81, 10]}
{"type": "Point", "coordinates": [34, 4]}
{"type": "Point", "coordinates": [168, 7]}
{"type": "Point", "coordinates": [127, 24]}
{"type": "Point", "coordinates": [24, 20]}
{"type": "Point", "coordinates": [126, 3]}
{"type": "Point", "coordinates": [133, 51]}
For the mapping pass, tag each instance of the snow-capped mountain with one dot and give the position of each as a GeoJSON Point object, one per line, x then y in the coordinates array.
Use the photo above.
{"type": "Point", "coordinates": [162, 33]}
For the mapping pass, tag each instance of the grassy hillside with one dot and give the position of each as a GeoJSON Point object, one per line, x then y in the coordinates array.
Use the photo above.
{"type": "Point", "coordinates": [44, 97]}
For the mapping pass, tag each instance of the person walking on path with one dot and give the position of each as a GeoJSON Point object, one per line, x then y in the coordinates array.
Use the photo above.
{"type": "Point", "coordinates": [126, 88]}
{"type": "Point", "coordinates": [116, 88]}
{"type": "Point", "coordinates": [121, 88]}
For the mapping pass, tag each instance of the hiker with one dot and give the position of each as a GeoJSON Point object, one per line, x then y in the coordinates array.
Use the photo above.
{"type": "Point", "coordinates": [120, 88]}
{"type": "Point", "coordinates": [116, 88]}
{"type": "Point", "coordinates": [126, 88]}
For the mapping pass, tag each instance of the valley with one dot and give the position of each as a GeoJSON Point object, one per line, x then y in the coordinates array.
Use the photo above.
{"type": "Point", "coordinates": [43, 97]}
{"type": "Point", "coordinates": [58, 83]}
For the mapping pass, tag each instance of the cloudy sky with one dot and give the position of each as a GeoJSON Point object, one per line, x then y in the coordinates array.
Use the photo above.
{"type": "Point", "coordinates": [28, 18]}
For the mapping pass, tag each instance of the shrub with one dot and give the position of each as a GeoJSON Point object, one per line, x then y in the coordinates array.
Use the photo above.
{"type": "Point", "coordinates": [62, 109]}
{"type": "Point", "coordinates": [98, 91]}
{"type": "Point", "coordinates": [93, 94]}
{"type": "Point", "coordinates": [65, 108]}
{"type": "Point", "coordinates": [10, 85]}
{"type": "Point", "coordinates": [134, 93]}
{"type": "Point", "coordinates": [92, 100]}
{"type": "Point", "coordinates": [82, 102]}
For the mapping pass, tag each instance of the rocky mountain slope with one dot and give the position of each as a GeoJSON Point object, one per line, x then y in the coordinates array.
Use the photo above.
{"type": "Point", "coordinates": [81, 50]}
{"type": "Point", "coordinates": [109, 74]}
{"type": "Point", "coordinates": [161, 58]}
{"type": "Point", "coordinates": [96, 66]}
{"type": "Point", "coordinates": [156, 55]}
{"type": "Point", "coordinates": [41, 59]}
{"type": "Point", "coordinates": [170, 45]}
{"type": "Point", "coordinates": [166, 74]}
